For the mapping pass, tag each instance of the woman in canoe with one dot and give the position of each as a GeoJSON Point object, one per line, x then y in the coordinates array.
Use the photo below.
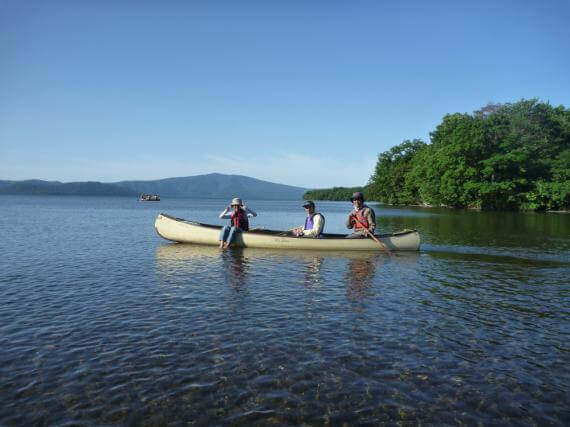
{"type": "Point", "coordinates": [238, 214]}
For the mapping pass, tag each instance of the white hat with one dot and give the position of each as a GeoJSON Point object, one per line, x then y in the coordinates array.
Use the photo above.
{"type": "Point", "coordinates": [236, 201]}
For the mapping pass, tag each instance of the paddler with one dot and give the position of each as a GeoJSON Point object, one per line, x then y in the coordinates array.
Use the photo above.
{"type": "Point", "coordinates": [360, 218]}
{"type": "Point", "coordinates": [314, 222]}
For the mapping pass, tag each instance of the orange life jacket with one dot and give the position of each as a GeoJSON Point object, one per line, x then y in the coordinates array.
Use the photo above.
{"type": "Point", "coordinates": [361, 218]}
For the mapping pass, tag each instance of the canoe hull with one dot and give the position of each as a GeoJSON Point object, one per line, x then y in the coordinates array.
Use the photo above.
{"type": "Point", "coordinates": [182, 231]}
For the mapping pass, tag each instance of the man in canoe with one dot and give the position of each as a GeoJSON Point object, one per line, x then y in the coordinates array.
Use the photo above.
{"type": "Point", "coordinates": [314, 223]}
{"type": "Point", "coordinates": [360, 218]}
{"type": "Point", "coordinates": [237, 212]}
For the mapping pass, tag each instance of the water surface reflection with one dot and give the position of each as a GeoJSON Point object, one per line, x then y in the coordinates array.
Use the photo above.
{"type": "Point", "coordinates": [360, 274]}
{"type": "Point", "coordinates": [236, 265]}
{"type": "Point", "coordinates": [471, 330]}
{"type": "Point", "coordinates": [359, 267]}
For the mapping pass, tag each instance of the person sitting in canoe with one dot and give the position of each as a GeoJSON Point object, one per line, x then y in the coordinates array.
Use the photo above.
{"type": "Point", "coordinates": [360, 218]}
{"type": "Point", "coordinates": [237, 212]}
{"type": "Point", "coordinates": [314, 223]}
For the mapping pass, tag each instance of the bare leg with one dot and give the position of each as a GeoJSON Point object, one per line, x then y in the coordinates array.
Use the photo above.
{"type": "Point", "coordinates": [224, 232]}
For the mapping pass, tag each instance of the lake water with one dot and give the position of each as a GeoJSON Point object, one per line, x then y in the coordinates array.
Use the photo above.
{"type": "Point", "coordinates": [104, 322]}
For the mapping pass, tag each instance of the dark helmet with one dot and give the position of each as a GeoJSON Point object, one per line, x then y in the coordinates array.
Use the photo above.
{"type": "Point", "coordinates": [357, 195]}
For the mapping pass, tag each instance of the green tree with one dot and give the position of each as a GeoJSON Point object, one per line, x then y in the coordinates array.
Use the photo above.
{"type": "Point", "coordinates": [445, 172]}
{"type": "Point", "coordinates": [335, 193]}
{"type": "Point", "coordinates": [503, 156]}
{"type": "Point", "coordinates": [389, 182]}
{"type": "Point", "coordinates": [525, 140]}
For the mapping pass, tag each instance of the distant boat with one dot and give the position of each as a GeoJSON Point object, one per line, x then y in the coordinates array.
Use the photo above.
{"type": "Point", "coordinates": [149, 198]}
{"type": "Point", "coordinates": [179, 230]}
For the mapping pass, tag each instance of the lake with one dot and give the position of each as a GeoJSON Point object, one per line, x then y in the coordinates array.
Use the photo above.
{"type": "Point", "coordinates": [104, 322]}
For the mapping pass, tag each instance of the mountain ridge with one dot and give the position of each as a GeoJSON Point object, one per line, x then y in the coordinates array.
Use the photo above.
{"type": "Point", "coordinates": [206, 186]}
{"type": "Point", "coordinates": [215, 186]}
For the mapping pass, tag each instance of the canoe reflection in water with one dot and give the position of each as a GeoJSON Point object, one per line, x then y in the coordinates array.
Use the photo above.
{"type": "Point", "coordinates": [233, 266]}
{"type": "Point", "coordinates": [195, 265]}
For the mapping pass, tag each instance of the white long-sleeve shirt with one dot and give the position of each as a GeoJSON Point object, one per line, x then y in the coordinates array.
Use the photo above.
{"type": "Point", "coordinates": [227, 212]}
{"type": "Point", "coordinates": [318, 225]}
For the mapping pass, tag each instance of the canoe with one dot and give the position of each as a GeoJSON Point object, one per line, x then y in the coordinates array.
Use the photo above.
{"type": "Point", "coordinates": [183, 231]}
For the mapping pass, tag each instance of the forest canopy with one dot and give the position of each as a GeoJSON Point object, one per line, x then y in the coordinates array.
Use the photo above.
{"type": "Point", "coordinates": [503, 157]}
{"type": "Point", "coordinates": [335, 193]}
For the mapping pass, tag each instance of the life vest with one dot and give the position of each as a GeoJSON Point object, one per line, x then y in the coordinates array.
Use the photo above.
{"type": "Point", "coordinates": [239, 220]}
{"type": "Point", "coordinates": [362, 219]}
{"type": "Point", "coordinates": [309, 224]}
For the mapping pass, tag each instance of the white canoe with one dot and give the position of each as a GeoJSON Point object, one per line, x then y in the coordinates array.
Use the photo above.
{"type": "Point", "coordinates": [180, 230]}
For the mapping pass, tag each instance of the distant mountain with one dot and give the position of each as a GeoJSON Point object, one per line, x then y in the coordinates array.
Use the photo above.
{"type": "Point", "coordinates": [39, 187]}
{"type": "Point", "coordinates": [211, 186]}
{"type": "Point", "coordinates": [216, 186]}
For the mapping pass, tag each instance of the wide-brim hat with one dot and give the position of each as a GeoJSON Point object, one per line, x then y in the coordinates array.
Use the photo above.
{"type": "Point", "coordinates": [236, 201]}
{"type": "Point", "coordinates": [357, 195]}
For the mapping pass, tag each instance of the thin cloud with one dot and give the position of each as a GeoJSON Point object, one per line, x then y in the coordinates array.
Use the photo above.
{"type": "Point", "coordinates": [295, 169]}
{"type": "Point", "coordinates": [285, 168]}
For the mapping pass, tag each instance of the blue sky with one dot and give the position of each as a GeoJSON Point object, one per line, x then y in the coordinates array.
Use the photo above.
{"type": "Point", "coordinates": [298, 92]}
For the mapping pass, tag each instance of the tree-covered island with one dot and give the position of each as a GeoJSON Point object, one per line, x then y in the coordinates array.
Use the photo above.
{"type": "Point", "coordinates": [501, 157]}
{"type": "Point", "coordinates": [335, 193]}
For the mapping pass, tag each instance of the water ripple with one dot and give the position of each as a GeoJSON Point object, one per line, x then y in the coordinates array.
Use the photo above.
{"type": "Point", "coordinates": [108, 325]}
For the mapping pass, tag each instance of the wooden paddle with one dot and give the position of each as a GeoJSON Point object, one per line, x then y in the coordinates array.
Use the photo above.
{"type": "Point", "coordinates": [372, 236]}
